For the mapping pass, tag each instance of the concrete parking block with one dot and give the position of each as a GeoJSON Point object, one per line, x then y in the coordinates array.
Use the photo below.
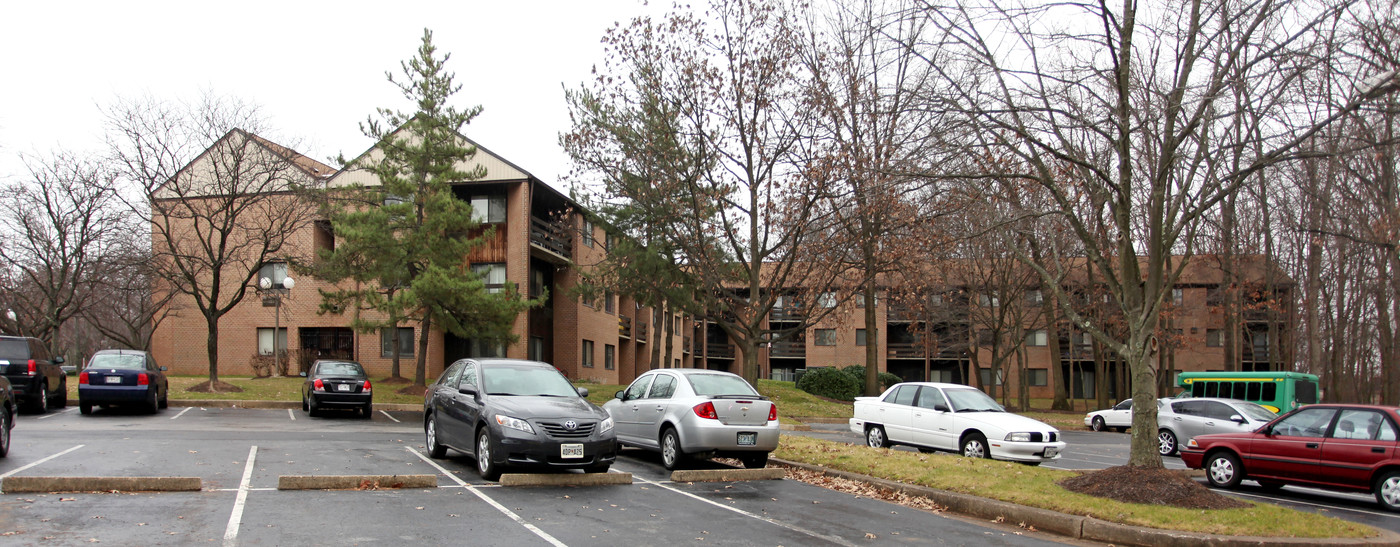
{"type": "Point", "coordinates": [15, 485]}
{"type": "Point", "coordinates": [354, 482]}
{"type": "Point", "coordinates": [727, 475]}
{"type": "Point", "coordinates": [565, 479]}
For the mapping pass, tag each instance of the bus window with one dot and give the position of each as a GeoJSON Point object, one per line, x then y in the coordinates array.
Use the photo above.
{"type": "Point", "coordinates": [1239, 390]}
{"type": "Point", "coordinates": [1198, 389]}
{"type": "Point", "coordinates": [1212, 389]}
{"type": "Point", "coordinates": [1306, 392]}
{"type": "Point", "coordinates": [1252, 393]}
{"type": "Point", "coordinates": [1270, 391]}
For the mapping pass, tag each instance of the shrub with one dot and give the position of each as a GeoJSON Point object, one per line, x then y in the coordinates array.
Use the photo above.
{"type": "Point", "coordinates": [830, 383]}
{"type": "Point", "coordinates": [858, 372]}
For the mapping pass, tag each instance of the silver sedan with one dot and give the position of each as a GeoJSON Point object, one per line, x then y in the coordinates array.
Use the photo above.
{"type": "Point", "coordinates": [695, 413]}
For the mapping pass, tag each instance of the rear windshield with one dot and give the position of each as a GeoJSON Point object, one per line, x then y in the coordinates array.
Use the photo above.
{"type": "Point", "coordinates": [707, 385]}
{"type": "Point", "coordinates": [340, 369]}
{"type": "Point", "coordinates": [109, 361]}
{"type": "Point", "coordinates": [14, 350]}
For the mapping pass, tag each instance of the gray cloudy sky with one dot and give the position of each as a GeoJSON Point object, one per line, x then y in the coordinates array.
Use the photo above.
{"type": "Point", "coordinates": [316, 68]}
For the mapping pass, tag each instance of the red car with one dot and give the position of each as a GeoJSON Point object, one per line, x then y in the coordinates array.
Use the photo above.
{"type": "Point", "coordinates": [1331, 446]}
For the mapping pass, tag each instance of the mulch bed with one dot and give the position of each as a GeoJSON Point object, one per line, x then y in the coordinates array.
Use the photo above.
{"type": "Point", "coordinates": [1152, 486]}
{"type": "Point", "coordinates": [221, 387]}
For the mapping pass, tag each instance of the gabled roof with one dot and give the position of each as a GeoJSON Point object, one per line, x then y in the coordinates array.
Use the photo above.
{"type": "Point", "coordinates": [498, 169]}
{"type": "Point", "coordinates": [310, 168]}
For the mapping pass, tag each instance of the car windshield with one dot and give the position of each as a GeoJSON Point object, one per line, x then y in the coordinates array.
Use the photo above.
{"type": "Point", "coordinates": [526, 380]}
{"type": "Point", "coordinates": [113, 361]}
{"type": "Point", "coordinates": [14, 350]}
{"type": "Point", "coordinates": [710, 385]}
{"type": "Point", "coordinates": [971, 400]}
{"type": "Point", "coordinates": [337, 368]}
{"type": "Point", "coordinates": [1255, 412]}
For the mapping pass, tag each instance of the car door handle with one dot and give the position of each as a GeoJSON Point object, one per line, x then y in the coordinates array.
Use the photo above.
{"type": "Point", "coordinates": [660, 408]}
{"type": "Point", "coordinates": [1311, 445]}
{"type": "Point", "coordinates": [1378, 449]}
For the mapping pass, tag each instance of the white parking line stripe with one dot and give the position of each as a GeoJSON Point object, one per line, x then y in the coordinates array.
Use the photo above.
{"type": "Point", "coordinates": [792, 527]}
{"type": "Point", "coordinates": [1280, 500]}
{"type": "Point", "coordinates": [291, 415]}
{"type": "Point", "coordinates": [182, 412]}
{"type": "Point", "coordinates": [46, 416]}
{"type": "Point", "coordinates": [517, 518]}
{"type": "Point", "coordinates": [386, 415]}
{"type": "Point", "coordinates": [14, 471]}
{"type": "Point", "coordinates": [234, 520]}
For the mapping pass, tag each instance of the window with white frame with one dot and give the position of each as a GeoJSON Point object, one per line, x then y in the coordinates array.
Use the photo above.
{"type": "Point", "coordinates": [265, 341]}
{"type": "Point", "coordinates": [609, 356]}
{"type": "Point", "coordinates": [1036, 337]}
{"type": "Point", "coordinates": [1178, 295]}
{"type": "Point", "coordinates": [587, 234]}
{"type": "Point", "coordinates": [988, 301]}
{"type": "Point", "coordinates": [587, 357]}
{"type": "Point", "coordinates": [827, 300]}
{"type": "Point", "coordinates": [493, 275]}
{"type": "Point", "coordinates": [488, 209]}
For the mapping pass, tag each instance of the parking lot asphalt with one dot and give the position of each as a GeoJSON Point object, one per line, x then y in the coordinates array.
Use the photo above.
{"type": "Point", "coordinates": [240, 455]}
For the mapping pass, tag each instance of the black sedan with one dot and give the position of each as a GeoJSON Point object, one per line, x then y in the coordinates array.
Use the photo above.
{"type": "Point", "coordinates": [336, 384]}
{"type": "Point", "coordinates": [7, 415]}
{"type": "Point", "coordinates": [122, 377]}
{"type": "Point", "coordinates": [513, 413]}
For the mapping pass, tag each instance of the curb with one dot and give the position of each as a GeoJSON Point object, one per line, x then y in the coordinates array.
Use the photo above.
{"type": "Point", "coordinates": [1086, 528]}
{"type": "Point", "coordinates": [727, 475]}
{"type": "Point", "coordinates": [14, 485]}
{"type": "Point", "coordinates": [565, 479]}
{"type": "Point", "coordinates": [354, 482]}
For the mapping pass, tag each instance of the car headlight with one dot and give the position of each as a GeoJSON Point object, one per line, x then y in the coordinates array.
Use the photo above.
{"type": "Point", "coordinates": [606, 425]}
{"type": "Point", "coordinates": [514, 423]}
{"type": "Point", "coordinates": [1019, 437]}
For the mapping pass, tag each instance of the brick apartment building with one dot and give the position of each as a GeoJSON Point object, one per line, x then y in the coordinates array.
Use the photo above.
{"type": "Point", "coordinates": [541, 239]}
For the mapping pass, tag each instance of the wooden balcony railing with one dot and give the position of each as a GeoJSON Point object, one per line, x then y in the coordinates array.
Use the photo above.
{"type": "Point", "coordinates": [642, 331]}
{"type": "Point", "coordinates": [685, 345]}
{"type": "Point", "coordinates": [915, 350]}
{"type": "Point", "coordinates": [719, 351]}
{"type": "Point", "coordinates": [624, 327]}
{"type": "Point", "coordinates": [550, 236]}
{"type": "Point", "coordinates": [788, 348]}
{"type": "Point", "coordinates": [786, 314]}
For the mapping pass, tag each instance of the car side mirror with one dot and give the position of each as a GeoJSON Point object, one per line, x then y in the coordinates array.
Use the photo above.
{"type": "Point", "coordinates": [583, 392]}
{"type": "Point", "coordinates": [466, 390]}
{"type": "Point", "coordinates": [163, 369]}
{"type": "Point", "coordinates": [58, 360]}
{"type": "Point", "coordinates": [940, 407]}
{"type": "Point", "coordinates": [1238, 419]}
{"type": "Point", "coordinates": [618, 395]}
{"type": "Point", "coordinates": [302, 374]}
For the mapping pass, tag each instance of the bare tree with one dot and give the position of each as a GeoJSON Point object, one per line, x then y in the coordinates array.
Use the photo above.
{"type": "Point", "coordinates": [221, 201]}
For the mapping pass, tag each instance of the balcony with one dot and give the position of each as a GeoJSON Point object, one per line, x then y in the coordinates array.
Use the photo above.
{"type": "Point", "coordinates": [550, 237]}
{"type": "Point", "coordinates": [685, 345]}
{"type": "Point", "coordinates": [719, 351]}
{"type": "Point", "coordinates": [1076, 353]}
{"type": "Point", "coordinates": [786, 314]}
{"type": "Point", "coordinates": [915, 350]}
{"type": "Point", "coordinates": [624, 327]}
{"type": "Point", "coordinates": [641, 331]}
{"type": "Point", "coordinates": [789, 349]}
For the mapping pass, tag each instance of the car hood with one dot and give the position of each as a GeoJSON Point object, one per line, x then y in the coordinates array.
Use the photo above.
{"type": "Point", "coordinates": [1007, 421]}
{"type": "Point", "coordinates": [531, 406]}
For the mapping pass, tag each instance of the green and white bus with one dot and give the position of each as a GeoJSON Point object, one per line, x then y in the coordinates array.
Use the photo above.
{"type": "Point", "coordinates": [1277, 391]}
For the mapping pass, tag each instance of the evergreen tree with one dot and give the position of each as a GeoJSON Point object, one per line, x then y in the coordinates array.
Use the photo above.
{"type": "Point", "coordinates": [405, 243]}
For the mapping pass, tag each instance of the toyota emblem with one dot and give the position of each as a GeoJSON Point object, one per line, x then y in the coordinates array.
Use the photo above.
{"type": "Point", "coordinates": [570, 425]}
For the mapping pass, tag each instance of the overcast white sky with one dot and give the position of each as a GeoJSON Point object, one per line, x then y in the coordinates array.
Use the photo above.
{"type": "Point", "coordinates": [316, 68]}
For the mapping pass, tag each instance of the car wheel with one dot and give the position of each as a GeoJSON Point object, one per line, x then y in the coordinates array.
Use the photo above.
{"type": "Point", "coordinates": [1097, 424]}
{"type": "Point", "coordinates": [435, 449]}
{"type": "Point", "coordinates": [62, 400]}
{"type": "Point", "coordinates": [312, 409]}
{"type": "Point", "coordinates": [1388, 491]}
{"type": "Point", "coordinates": [367, 410]}
{"type": "Point", "coordinates": [1223, 470]}
{"type": "Point", "coordinates": [672, 456]}
{"type": "Point", "coordinates": [600, 468]}
{"type": "Point", "coordinates": [41, 403]}
{"type": "Point", "coordinates": [85, 408]}
{"type": "Point", "coordinates": [755, 461]}
{"type": "Point", "coordinates": [5, 432]}
{"type": "Point", "coordinates": [975, 446]}
{"type": "Point", "coordinates": [303, 403]}
{"type": "Point", "coordinates": [1166, 442]}
{"type": "Point", "coordinates": [152, 402]}
{"type": "Point", "coordinates": [875, 437]}
{"type": "Point", "coordinates": [484, 466]}
{"type": "Point", "coordinates": [165, 398]}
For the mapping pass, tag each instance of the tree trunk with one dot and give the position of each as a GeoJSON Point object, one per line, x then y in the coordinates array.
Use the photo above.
{"type": "Point", "coordinates": [872, 344]}
{"type": "Point", "coordinates": [420, 371]}
{"type": "Point", "coordinates": [1052, 343]}
{"type": "Point", "coordinates": [212, 322]}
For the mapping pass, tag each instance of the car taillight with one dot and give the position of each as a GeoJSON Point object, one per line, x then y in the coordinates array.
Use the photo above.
{"type": "Point", "coordinates": [82, 378]}
{"type": "Point", "coordinates": [143, 380]}
{"type": "Point", "coordinates": [706, 410]}
{"type": "Point", "coordinates": [318, 385]}
{"type": "Point", "coordinates": [366, 388]}
{"type": "Point", "coordinates": [772, 413]}
{"type": "Point", "coordinates": [33, 368]}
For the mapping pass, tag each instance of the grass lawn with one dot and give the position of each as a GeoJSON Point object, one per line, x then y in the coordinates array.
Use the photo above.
{"type": "Point", "coordinates": [1035, 487]}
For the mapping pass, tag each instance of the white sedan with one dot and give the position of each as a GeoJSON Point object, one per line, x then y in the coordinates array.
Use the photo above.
{"type": "Point", "coordinates": [1120, 417]}
{"type": "Point", "coordinates": [953, 417]}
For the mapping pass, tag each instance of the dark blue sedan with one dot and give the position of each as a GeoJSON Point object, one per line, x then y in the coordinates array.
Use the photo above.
{"type": "Point", "coordinates": [115, 377]}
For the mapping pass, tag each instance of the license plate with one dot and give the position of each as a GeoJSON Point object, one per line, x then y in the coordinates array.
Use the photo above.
{"type": "Point", "coordinates": [1052, 452]}
{"type": "Point", "coordinates": [114, 379]}
{"type": "Point", "coordinates": [748, 439]}
{"type": "Point", "coordinates": [571, 450]}
{"type": "Point", "coordinates": [343, 387]}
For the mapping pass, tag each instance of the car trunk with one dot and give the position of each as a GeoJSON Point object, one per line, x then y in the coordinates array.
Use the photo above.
{"type": "Point", "coordinates": [741, 410]}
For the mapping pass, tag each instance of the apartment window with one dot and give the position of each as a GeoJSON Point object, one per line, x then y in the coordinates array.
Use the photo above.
{"type": "Point", "coordinates": [1178, 295]}
{"type": "Point", "coordinates": [1036, 337]}
{"type": "Point", "coordinates": [986, 374]}
{"type": "Point", "coordinates": [609, 356]}
{"type": "Point", "coordinates": [537, 283]}
{"type": "Point", "coordinates": [488, 209]}
{"type": "Point", "coordinates": [386, 342]}
{"type": "Point", "coordinates": [483, 347]}
{"type": "Point", "coordinates": [609, 304]}
{"type": "Point", "coordinates": [826, 337]}
{"type": "Point", "coordinates": [587, 354]}
{"type": "Point", "coordinates": [860, 300]}
{"type": "Point", "coordinates": [984, 337]}
{"type": "Point", "coordinates": [988, 301]}
{"type": "Point", "coordinates": [587, 232]}
{"type": "Point", "coordinates": [827, 300]}
{"type": "Point", "coordinates": [1034, 296]}
{"type": "Point", "coordinates": [1039, 377]}
{"type": "Point", "coordinates": [493, 275]}
{"type": "Point", "coordinates": [860, 337]}
{"type": "Point", "coordinates": [276, 271]}
{"type": "Point", "coordinates": [391, 199]}
{"type": "Point", "coordinates": [1215, 338]}
{"type": "Point", "coordinates": [536, 348]}
{"type": "Point", "coordinates": [265, 340]}
{"type": "Point", "coordinates": [678, 364]}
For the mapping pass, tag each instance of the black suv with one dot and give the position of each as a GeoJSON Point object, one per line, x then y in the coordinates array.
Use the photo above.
{"type": "Point", "coordinates": [35, 377]}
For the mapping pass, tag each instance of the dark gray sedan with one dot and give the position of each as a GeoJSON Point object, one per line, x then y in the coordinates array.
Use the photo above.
{"type": "Point", "coordinates": [116, 377]}
{"type": "Point", "coordinates": [514, 413]}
